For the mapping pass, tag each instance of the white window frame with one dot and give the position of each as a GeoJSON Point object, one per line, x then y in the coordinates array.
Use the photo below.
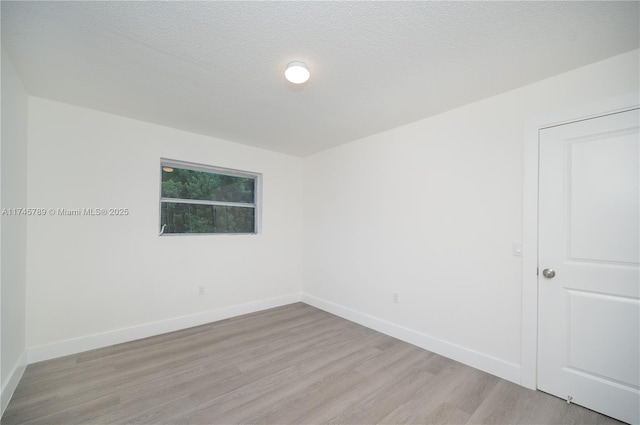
{"type": "Point", "coordinates": [256, 205]}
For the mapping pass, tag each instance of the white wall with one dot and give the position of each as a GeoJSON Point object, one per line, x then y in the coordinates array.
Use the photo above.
{"type": "Point", "coordinates": [13, 229]}
{"type": "Point", "coordinates": [430, 210]}
{"type": "Point", "coordinates": [93, 276]}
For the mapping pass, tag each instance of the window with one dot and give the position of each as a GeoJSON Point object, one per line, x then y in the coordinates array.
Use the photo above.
{"type": "Point", "coordinates": [202, 199]}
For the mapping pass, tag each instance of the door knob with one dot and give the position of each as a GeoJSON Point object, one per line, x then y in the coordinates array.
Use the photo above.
{"type": "Point", "coordinates": [548, 273]}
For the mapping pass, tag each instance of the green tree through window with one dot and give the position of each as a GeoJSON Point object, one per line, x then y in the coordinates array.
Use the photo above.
{"type": "Point", "coordinates": [201, 199]}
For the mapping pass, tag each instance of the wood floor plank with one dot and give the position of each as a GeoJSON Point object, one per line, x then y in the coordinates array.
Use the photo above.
{"type": "Point", "coordinates": [289, 365]}
{"type": "Point", "coordinates": [447, 376]}
{"type": "Point", "coordinates": [315, 370]}
{"type": "Point", "coordinates": [446, 414]}
{"type": "Point", "coordinates": [387, 394]}
{"type": "Point", "coordinates": [472, 392]}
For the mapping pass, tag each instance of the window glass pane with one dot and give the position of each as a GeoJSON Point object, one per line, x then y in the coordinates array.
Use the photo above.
{"type": "Point", "coordinates": [195, 218]}
{"type": "Point", "coordinates": [180, 183]}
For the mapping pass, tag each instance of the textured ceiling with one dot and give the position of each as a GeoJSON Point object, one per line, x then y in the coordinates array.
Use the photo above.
{"type": "Point", "coordinates": [216, 68]}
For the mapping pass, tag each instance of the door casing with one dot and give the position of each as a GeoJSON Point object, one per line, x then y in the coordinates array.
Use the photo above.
{"type": "Point", "coordinates": [529, 342]}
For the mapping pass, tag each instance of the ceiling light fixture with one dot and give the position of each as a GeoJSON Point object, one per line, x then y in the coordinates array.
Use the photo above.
{"type": "Point", "coordinates": [167, 169]}
{"type": "Point", "coordinates": [297, 72]}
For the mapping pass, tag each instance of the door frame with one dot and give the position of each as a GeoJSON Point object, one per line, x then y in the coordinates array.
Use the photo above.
{"type": "Point", "coordinates": [529, 342]}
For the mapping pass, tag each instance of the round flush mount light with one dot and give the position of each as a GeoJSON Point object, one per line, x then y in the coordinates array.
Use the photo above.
{"type": "Point", "coordinates": [167, 169]}
{"type": "Point", "coordinates": [297, 72]}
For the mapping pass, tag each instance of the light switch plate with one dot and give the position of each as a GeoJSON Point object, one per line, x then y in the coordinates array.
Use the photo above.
{"type": "Point", "coordinates": [517, 249]}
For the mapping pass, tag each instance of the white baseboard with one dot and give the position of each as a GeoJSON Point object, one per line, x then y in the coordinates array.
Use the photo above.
{"type": "Point", "coordinates": [105, 339]}
{"type": "Point", "coordinates": [497, 367]}
{"type": "Point", "coordinates": [12, 383]}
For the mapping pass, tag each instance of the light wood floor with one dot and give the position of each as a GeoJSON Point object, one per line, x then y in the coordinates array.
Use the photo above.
{"type": "Point", "coordinates": [289, 365]}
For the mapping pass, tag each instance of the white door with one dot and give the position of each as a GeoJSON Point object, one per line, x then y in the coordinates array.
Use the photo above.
{"type": "Point", "coordinates": [589, 237]}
